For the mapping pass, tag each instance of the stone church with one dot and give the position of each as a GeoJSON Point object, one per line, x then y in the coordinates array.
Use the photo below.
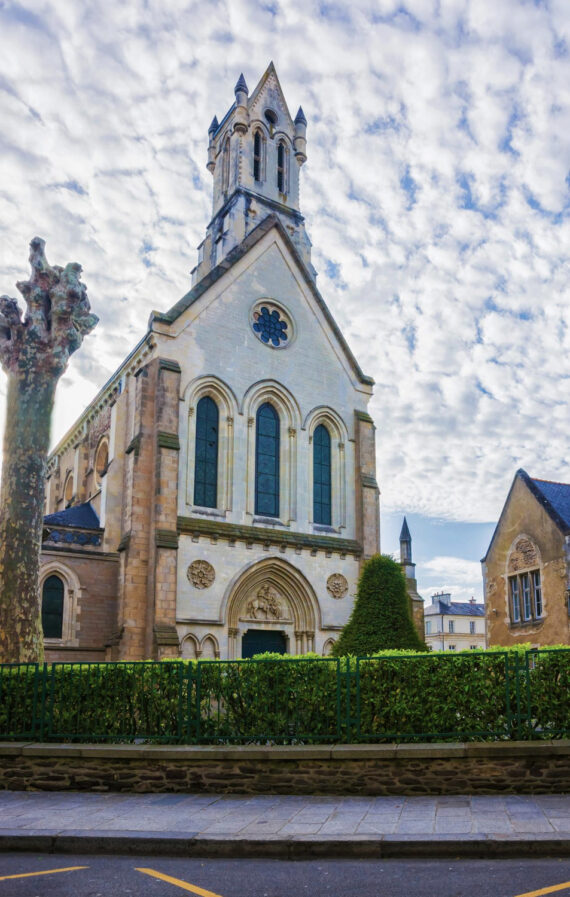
{"type": "Point", "coordinates": [218, 496]}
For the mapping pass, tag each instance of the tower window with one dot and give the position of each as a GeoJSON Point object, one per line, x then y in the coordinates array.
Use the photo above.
{"type": "Point", "coordinates": [322, 476]}
{"type": "Point", "coordinates": [267, 461]}
{"type": "Point", "coordinates": [226, 165]}
{"type": "Point", "coordinates": [206, 463]}
{"type": "Point", "coordinates": [257, 147]}
{"type": "Point", "coordinates": [271, 119]}
{"type": "Point", "coordinates": [281, 167]}
{"type": "Point", "coordinates": [52, 607]}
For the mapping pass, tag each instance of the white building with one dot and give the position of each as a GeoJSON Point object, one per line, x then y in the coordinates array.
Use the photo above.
{"type": "Point", "coordinates": [454, 625]}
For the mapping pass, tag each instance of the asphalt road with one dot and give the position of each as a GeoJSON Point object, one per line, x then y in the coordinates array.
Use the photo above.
{"type": "Point", "coordinates": [118, 876]}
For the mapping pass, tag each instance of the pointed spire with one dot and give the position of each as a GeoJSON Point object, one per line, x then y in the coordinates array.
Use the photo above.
{"type": "Point", "coordinates": [214, 126]}
{"type": "Point", "coordinates": [405, 533]}
{"type": "Point", "coordinates": [300, 117]}
{"type": "Point", "coordinates": [241, 86]}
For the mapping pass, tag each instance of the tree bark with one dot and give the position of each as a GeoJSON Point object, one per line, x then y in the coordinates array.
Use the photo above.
{"type": "Point", "coordinates": [26, 443]}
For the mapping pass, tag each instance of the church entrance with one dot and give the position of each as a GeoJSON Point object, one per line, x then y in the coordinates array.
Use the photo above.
{"type": "Point", "coordinates": [258, 641]}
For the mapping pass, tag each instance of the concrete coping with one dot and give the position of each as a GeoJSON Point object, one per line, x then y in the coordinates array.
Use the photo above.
{"type": "Point", "coordinates": [296, 752]}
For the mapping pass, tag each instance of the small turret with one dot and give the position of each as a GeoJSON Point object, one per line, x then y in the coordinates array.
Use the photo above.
{"type": "Point", "coordinates": [241, 121]}
{"type": "Point", "coordinates": [211, 147]}
{"type": "Point", "coordinates": [300, 139]}
{"type": "Point", "coordinates": [405, 544]}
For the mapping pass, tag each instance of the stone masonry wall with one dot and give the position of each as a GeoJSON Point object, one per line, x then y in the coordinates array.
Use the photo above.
{"type": "Point", "coordinates": [478, 768]}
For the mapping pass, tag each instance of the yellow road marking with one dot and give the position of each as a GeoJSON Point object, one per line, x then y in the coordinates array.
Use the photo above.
{"type": "Point", "coordinates": [546, 890]}
{"type": "Point", "coordinates": [178, 882]}
{"type": "Point", "coordinates": [46, 872]}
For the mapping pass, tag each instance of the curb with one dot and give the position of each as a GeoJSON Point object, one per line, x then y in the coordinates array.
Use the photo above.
{"type": "Point", "coordinates": [191, 844]}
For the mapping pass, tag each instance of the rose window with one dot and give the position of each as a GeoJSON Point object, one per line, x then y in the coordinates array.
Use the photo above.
{"type": "Point", "coordinates": [270, 326]}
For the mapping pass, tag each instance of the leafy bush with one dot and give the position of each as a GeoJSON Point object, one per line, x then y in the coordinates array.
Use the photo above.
{"type": "Point", "coordinates": [381, 617]}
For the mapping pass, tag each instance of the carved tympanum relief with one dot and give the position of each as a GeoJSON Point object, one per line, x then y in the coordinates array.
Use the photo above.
{"type": "Point", "coordinates": [337, 585]}
{"type": "Point", "coordinates": [524, 555]}
{"type": "Point", "coordinates": [201, 574]}
{"type": "Point", "coordinates": [266, 605]}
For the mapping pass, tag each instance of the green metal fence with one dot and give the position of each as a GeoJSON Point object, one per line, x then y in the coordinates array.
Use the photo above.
{"type": "Point", "coordinates": [391, 698]}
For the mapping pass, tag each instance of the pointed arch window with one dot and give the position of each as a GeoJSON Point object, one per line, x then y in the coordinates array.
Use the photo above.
{"type": "Point", "coordinates": [52, 607]}
{"type": "Point", "coordinates": [322, 476]}
{"type": "Point", "coordinates": [282, 167]}
{"type": "Point", "coordinates": [206, 459]}
{"type": "Point", "coordinates": [267, 461]}
{"type": "Point", "coordinates": [257, 156]}
{"type": "Point", "coordinates": [226, 165]}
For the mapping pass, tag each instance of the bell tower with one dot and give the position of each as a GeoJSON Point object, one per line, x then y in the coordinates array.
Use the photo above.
{"type": "Point", "coordinates": [255, 155]}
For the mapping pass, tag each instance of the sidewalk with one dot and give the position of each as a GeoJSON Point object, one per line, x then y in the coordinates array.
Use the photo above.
{"type": "Point", "coordinates": [285, 827]}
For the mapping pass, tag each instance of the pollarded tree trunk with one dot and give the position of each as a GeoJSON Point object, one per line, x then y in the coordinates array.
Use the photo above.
{"type": "Point", "coordinates": [34, 353]}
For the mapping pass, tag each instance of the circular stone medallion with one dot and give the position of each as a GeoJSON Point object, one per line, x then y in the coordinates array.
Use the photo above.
{"type": "Point", "coordinates": [337, 585]}
{"type": "Point", "coordinates": [201, 574]}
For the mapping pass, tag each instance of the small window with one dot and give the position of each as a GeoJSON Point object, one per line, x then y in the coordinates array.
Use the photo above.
{"type": "Point", "coordinates": [52, 607]}
{"type": "Point", "coordinates": [226, 165]}
{"type": "Point", "coordinates": [451, 647]}
{"type": "Point", "coordinates": [472, 627]}
{"type": "Point", "coordinates": [68, 490]}
{"type": "Point", "coordinates": [525, 589]}
{"type": "Point", "coordinates": [428, 627]}
{"type": "Point", "coordinates": [537, 589]}
{"type": "Point", "coordinates": [281, 167]}
{"type": "Point", "coordinates": [451, 626]}
{"type": "Point", "coordinates": [473, 647]}
{"type": "Point", "coordinates": [525, 592]}
{"type": "Point", "coordinates": [515, 604]}
{"type": "Point", "coordinates": [101, 460]}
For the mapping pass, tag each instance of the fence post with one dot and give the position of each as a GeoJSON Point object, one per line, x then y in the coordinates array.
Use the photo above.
{"type": "Point", "coordinates": [43, 674]}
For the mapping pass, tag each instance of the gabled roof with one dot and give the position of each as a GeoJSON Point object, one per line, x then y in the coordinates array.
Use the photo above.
{"type": "Point", "coordinates": [81, 516]}
{"type": "Point", "coordinates": [554, 498]}
{"type": "Point", "coordinates": [269, 72]}
{"type": "Point", "coordinates": [237, 253]}
{"type": "Point", "coordinates": [455, 608]}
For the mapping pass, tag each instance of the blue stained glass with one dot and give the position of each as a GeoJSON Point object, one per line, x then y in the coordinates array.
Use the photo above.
{"type": "Point", "coordinates": [322, 476]}
{"type": "Point", "coordinates": [270, 326]}
{"type": "Point", "coordinates": [267, 461]}
{"type": "Point", "coordinates": [206, 460]}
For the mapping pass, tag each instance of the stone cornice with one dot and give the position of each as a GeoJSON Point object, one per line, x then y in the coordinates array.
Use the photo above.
{"type": "Point", "coordinates": [243, 533]}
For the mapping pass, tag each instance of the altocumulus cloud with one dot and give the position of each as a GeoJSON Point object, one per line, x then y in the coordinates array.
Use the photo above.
{"type": "Point", "coordinates": [436, 195]}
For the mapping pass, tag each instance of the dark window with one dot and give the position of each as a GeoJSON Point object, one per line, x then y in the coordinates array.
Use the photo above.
{"type": "Point", "coordinates": [281, 160]}
{"type": "Point", "coordinates": [257, 156]}
{"type": "Point", "coordinates": [267, 462]}
{"type": "Point", "coordinates": [226, 165]}
{"type": "Point", "coordinates": [52, 607]}
{"type": "Point", "coordinates": [526, 597]}
{"type": "Point", "coordinates": [206, 463]}
{"type": "Point", "coordinates": [322, 476]}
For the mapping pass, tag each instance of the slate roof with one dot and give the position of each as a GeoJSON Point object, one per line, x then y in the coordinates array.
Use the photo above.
{"type": "Point", "coordinates": [405, 532]}
{"type": "Point", "coordinates": [455, 608]}
{"type": "Point", "coordinates": [81, 516]}
{"type": "Point", "coordinates": [557, 496]}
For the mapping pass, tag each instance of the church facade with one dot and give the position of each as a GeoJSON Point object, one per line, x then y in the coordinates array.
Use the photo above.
{"type": "Point", "coordinates": [219, 495]}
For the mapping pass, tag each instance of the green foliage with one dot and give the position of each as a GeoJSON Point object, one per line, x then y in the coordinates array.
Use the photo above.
{"type": "Point", "coordinates": [393, 695]}
{"type": "Point", "coordinates": [381, 616]}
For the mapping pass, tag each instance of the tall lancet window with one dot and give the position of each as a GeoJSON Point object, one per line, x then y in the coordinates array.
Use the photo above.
{"type": "Point", "coordinates": [282, 167]}
{"type": "Point", "coordinates": [322, 476]}
{"type": "Point", "coordinates": [206, 463]}
{"type": "Point", "coordinates": [226, 165]}
{"type": "Point", "coordinates": [257, 150]}
{"type": "Point", "coordinates": [267, 462]}
{"type": "Point", "coordinates": [52, 607]}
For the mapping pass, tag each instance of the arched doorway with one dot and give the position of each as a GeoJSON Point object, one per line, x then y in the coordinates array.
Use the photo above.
{"type": "Point", "coordinates": [271, 607]}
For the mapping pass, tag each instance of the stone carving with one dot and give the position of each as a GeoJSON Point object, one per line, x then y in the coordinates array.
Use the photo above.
{"type": "Point", "coordinates": [265, 605]}
{"type": "Point", "coordinates": [201, 574]}
{"type": "Point", "coordinates": [524, 555]}
{"type": "Point", "coordinates": [559, 568]}
{"type": "Point", "coordinates": [337, 585]}
{"type": "Point", "coordinates": [491, 588]}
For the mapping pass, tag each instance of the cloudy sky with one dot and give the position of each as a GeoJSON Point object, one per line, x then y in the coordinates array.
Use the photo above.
{"type": "Point", "coordinates": [436, 194]}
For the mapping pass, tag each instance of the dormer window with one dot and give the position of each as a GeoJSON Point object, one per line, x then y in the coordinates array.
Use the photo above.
{"type": "Point", "coordinates": [281, 167]}
{"type": "Point", "coordinates": [257, 156]}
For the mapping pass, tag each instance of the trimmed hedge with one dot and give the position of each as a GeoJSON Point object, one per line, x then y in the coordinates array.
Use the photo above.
{"type": "Point", "coordinates": [392, 696]}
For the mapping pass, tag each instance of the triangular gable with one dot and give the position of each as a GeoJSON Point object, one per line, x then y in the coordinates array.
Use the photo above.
{"type": "Point", "coordinates": [237, 253]}
{"type": "Point", "coordinates": [534, 487]}
{"type": "Point", "coordinates": [268, 93]}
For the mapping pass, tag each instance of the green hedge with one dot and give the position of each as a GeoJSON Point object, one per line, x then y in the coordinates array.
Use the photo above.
{"type": "Point", "coordinates": [392, 696]}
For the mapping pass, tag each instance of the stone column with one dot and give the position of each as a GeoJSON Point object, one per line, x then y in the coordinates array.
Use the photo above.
{"type": "Point", "coordinates": [367, 491]}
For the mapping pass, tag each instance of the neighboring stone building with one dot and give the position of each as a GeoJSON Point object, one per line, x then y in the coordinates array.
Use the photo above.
{"type": "Point", "coordinates": [454, 625]}
{"type": "Point", "coordinates": [525, 570]}
{"type": "Point", "coordinates": [416, 600]}
{"type": "Point", "coordinates": [219, 494]}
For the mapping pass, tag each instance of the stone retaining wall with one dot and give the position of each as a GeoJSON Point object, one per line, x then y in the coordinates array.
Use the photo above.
{"type": "Point", "coordinates": [482, 768]}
